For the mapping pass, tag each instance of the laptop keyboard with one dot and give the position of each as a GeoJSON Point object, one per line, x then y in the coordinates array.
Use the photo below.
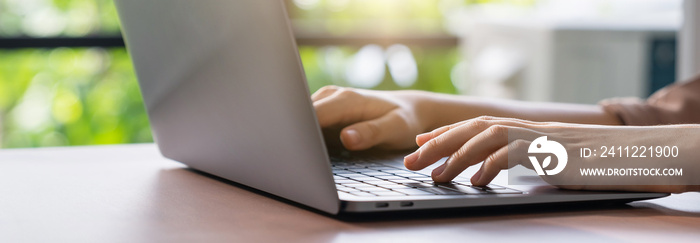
{"type": "Point", "coordinates": [368, 179]}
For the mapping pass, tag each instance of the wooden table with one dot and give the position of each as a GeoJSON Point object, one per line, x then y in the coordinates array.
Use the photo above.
{"type": "Point", "coordinates": [129, 193]}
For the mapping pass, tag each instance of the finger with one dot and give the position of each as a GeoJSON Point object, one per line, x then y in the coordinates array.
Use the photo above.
{"type": "Point", "coordinates": [421, 139]}
{"type": "Point", "coordinates": [474, 151]}
{"type": "Point", "coordinates": [324, 92]}
{"type": "Point", "coordinates": [367, 134]}
{"type": "Point", "coordinates": [450, 141]}
{"type": "Point", "coordinates": [425, 137]}
{"type": "Point", "coordinates": [494, 163]}
{"type": "Point", "coordinates": [443, 145]}
{"type": "Point", "coordinates": [340, 108]}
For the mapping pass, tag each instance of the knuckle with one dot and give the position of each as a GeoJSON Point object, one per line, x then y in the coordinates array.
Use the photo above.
{"type": "Point", "coordinates": [436, 132]}
{"type": "Point", "coordinates": [460, 154]}
{"type": "Point", "coordinates": [485, 118]}
{"type": "Point", "coordinates": [498, 130]}
{"type": "Point", "coordinates": [433, 143]}
{"type": "Point", "coordinates": [373, 130]}
{"type": "Point", "coordinates": [479, 124]}
{"type": "Point", "coordinates": [328, 88]}
{"type": "Point", "coordinates": [490, 159]}
{"type": "Point", "coordinates": [519, 144]}
{"type": "Point", "coordinates": [346, 92]}
{"type": "Point", "coordinates": [443, 129]}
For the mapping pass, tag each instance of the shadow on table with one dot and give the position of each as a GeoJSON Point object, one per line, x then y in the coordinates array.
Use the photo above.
{"type": "Point", "coordinates": [482, 213]}
{"type": "Point", "coordinates": [215, 207]}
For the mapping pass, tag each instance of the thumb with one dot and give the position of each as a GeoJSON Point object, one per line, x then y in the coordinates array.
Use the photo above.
{"type": "Point", "coordinates": [366, 134]}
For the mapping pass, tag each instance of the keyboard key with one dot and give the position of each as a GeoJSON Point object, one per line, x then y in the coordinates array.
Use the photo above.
{"type": "Point", "coordinates": [370, 164]}
{"type": "Point", "coordinates": [383, 168]}
{"type": "Point", "coordinates": [462, 183]}
{"type": "Point", "coordinates": [389, 193]}
{"type": "Point", "coordinates": [361, 186]}
{"type": "Point", "coordinates": [490, 187]}
{"type": "Point", "coordinates": [363, 194]}
{"type": "Point", "coordinates": [487, 189]}
{"type": "Point", "coordinates": [398, 172]}
{"type": "Point", "coordinates": [342, 172]}
{"type": "Point", "coordinates": [427, 181]}
{"type": "Point", "coordinates": [343, 194]}
{"type": "Point", "coordinates": [376, 174]}
{"type": "Point", "coordinates": [440, 191]}
{"type": "Point", "coordinates": [352, 183]}
{"type": "Point", "coordinates": [419, 185]}
{"type": "Point", "coordinates": [463, 189]}
{"type": "Point", "coordinates": [391, 177]}
{"type": "Point", "coordinates": [365, 178]}
{"type": "Point", "coordinates": [362, 170]}
{"type": "Point", "coordinates": [347, 189]}
{"type": "Point", "coordinates": [353, 167]}
{"type": "Point", "coordinates": [404, 181]}
{"type": "Point", "coordinates": [352, 175]}
{"type": "Point", "coordinates": [345, 181]}
{"type": "Point", "coordinates": [375, 189]}
{"type": "Point", "coordinates": [381, 183]}
{"type": "Point", "coordinates": [396, 186]}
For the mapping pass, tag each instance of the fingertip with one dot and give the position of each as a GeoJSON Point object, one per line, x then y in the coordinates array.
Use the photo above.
{"type": "Point", "coordinates": [438, 171]}
{"type": "Point", "coordinates": [439, 174]}
{"type": "Point", "coordinates": [422, 138]}
{"type": "Point", "coordinates": [410, 160]}
{"type": "Point", "coordinates": [476, 177]}
{"type": "Point", "coordinates": [351, 139]}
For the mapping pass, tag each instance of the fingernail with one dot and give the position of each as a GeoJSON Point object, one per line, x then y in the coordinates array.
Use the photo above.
{"type": "Point", "coordinates": [438, 171]}
{"type": "Point", "coordinates": [411, 158]}
{"type": "Point", "coordinates": [477, 176]}
{"type": "Point", "coordinates": [421, 137]}
{"type": "Point", "coordinates": [351, 137]}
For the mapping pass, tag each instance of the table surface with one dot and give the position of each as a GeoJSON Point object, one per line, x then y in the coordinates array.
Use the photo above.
{"type": "Point", "coordinates": [129, 193]}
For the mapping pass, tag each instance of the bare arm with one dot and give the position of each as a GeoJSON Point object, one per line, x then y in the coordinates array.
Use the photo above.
{"type": "Point", "coordinates": [392, 119]}
{"type": "Point", "coordinates": [448, 109]}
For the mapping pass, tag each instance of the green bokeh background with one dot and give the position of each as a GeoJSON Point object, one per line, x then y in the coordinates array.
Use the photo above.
{"type": "Point", "coordinates": [86, 96]}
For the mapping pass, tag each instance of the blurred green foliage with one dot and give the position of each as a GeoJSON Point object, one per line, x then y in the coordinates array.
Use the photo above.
{"type": "Point", "coordinates": [434, 68]}
{"type": "Point", "coordinates": [42, 18]}
{"type": "Point", "coordinates": [70, 97]}
{"type": "Point", "coordinates": [79, 96]}
{"type": "Point", "coordinates": [82, 96]}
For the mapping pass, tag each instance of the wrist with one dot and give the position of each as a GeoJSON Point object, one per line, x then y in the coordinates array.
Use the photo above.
{"type": "Point", "coordinates": [435, 110]}
{"type": "Point", "coordinates": [425, 107]}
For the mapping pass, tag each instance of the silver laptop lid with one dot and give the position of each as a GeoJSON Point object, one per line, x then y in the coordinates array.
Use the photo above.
{"type": "Point", "coordinates": [226, 93]}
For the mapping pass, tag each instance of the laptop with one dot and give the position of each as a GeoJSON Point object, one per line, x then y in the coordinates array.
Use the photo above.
{"type": "Point", "coordinates": [226, 94]}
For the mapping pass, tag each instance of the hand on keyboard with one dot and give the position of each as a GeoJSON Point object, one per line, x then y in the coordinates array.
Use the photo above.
{"type": "Point", "coordinates": [368, 179]}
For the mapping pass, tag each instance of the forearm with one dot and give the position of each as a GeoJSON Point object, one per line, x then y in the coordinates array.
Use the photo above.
{"type": "Point", "coordinates": [447, 109]}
